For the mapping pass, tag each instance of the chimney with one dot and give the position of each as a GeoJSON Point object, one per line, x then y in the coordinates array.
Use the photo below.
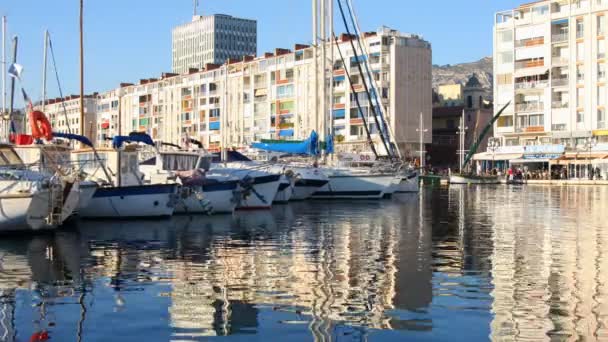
{"type": "Point", "coordinates": [122, 85]}
{"type": "Point", "coordinates": [165, 75]}
{"type": "Point", "coordinates": [248, 58]}
{"type": "Point", "coordinates": [280, 51]}
{"type": "Point", "coordinates": [192, 71]}
{"type": "Point", "coordinates": [268, 54]}
{"type": "Point", "coordinates": [211, 66]}
{"type": "Point", "coordinates": [301, 47]}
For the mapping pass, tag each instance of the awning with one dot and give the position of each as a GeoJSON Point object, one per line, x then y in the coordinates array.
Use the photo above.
{"type": "Point", "coordinates": [557, 22]}
{"type": "Point", "coordinates": [529, 161]}
{"type": "Point", "coordinates": [261, 92]}
{"type": "Point", "coordinates": [214, 126]}
{"type": "Point", "coordinates": [339, 78]}
{"type": "Point", "coordinates": [339, 114]}
{"type": "Point", "coordinates": [496, 156]}
{"type": "Point", "coordinates": [600, 132]}
{"type": "Point", "coordinates": [286, 133]}
{"type": "Point", "coordinates": [531, 71]}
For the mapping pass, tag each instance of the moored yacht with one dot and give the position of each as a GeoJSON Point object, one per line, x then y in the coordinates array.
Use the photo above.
{"type": "Point", "coordinates": [201, 192]}
{"type": "Point", "coordinates": [30, 199]}
{"type": "Point", "coordinates": [354, 183]}
{"type": "Point", "coordinates": [124, 195]}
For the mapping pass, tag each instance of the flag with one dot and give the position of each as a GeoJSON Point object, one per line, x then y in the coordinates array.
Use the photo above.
{"type": "Point", "coordinates": [15, 70]}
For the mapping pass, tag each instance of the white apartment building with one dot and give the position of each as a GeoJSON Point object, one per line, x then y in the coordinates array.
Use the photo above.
{"type": "Point", "coordinates": [550, 62]}
{"type": "Point", "coordinates": [212, 39]}
{"type": "Point", "coordinates": [275, 97]}
{"type": "Point", "coordinates": [64, 114]}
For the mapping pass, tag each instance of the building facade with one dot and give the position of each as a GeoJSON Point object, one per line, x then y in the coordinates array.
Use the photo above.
{"type": "Point", "coordinates": [550, 62]}
{"type": "Point", "coordinates": [64, 115]}
{"type": "Point", "coordinates": [212, 39]}
{"type": "Point", "coordinates": [276, 96]}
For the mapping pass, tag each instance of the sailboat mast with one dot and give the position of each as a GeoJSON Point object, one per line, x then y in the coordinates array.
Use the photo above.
{"type": "Point", "coordinates": [3, 64]}
{"type": "Point", "coordinates": [324, 66]}
{"type": "Point", "coordinates": [331, 67]}
{"type": "Point", "coordinates": [81, 131]}
{"type": "Point", "coordinates": [44, 63]}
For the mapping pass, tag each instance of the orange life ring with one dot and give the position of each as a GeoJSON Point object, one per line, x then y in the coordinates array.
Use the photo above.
{"type": "Point", "coordinates": [40, 125]}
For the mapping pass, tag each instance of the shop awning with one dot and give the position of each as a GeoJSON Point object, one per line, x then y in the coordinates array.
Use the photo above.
{"type": "Point", "coordinates": [497, 156]}
{"type": "Point", "coordinates": [530, 161]}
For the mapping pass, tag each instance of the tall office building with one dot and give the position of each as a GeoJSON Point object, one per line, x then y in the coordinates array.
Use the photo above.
{"type": "Point", "coordinates": [212, 39]}
{"type": "Point", "coordinates": [550, 62]}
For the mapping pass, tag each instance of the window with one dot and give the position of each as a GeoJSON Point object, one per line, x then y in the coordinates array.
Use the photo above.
{"type": "Point", "coordinates": [601, 49]}
{"type": "Point", "coordinates": [504, 79]}
{"type": "Point", "coordinates": [356, 130]}
{"type": "Point", "coordinates": [601, 95]}
{"type": "Point", "coordinates": [601, 118]}
{"type": "Point", "coordinates": [580, 116]}
{"type": "Point", "coordinates": [580, 73]}
{"type": "Point", "coordinates": [601, 25]}
{"type": "Point", "coordinates": [580, 28]}
{"type": "Point", "coordinates": [580, 97]}
{"type": "Point", "coordinates": [601, 71]}
{"type": "Point", "coordinates": [450, 124]}
{"type": "Point", "coordinates": [469, 101]}
{"type": "Point", "coordinates": [505, 121]}
{"type": "Point", "coordinates": [580, 51]}
{"type": "Point", "coordinates": [285, 91]}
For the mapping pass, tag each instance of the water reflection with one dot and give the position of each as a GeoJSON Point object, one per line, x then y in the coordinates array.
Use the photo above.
{"type": "Point", "coordinates": [466, 263]}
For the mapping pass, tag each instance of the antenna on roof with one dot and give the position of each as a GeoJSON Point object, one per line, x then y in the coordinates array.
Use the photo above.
{"type": "Point", "coordinates": [195, 5]}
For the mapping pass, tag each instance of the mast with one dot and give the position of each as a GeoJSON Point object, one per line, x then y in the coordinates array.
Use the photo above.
{"type": "Point", "coordinates": [315, 41]}
{"type": "Point", "coordinates": [422, 151]}
{"type": "Point", "coordinates": [462, 136]}
{"type": "Point", "coordinates": [224, 117]}
{"type": "Point", "coordinates": [323, 67]}
{"type": "Point", "coordinates": [331, 68]}
{"type": "Point", "coordinates": [12, 98]}
{"type": "Point", "coordinates": [3, 64]}
{"type": "Point", "coordinates": [44, 63]}
{"type": "Point", "coordinates": [81, 130]}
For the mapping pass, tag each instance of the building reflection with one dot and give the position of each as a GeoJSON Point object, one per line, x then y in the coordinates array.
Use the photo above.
{"type": "Point", "coordinates": [549, 265]}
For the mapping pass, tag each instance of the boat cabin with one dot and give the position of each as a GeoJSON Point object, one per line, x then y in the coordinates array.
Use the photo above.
{"type": "Point", "coordinates": [47, 158]}
{"type": "Point", "coordinates": [9, 157]}
{"type": "Point", "coordinates": [122, 165]}
{"type": "Point", "coordinates": [180, 161]}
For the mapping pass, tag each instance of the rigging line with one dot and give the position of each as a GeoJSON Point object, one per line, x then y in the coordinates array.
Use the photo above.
{"type": "Point", "coordinates": [373, 108]}
{"type": "Point", "coordinates": [373, 83]}
{"type": "Point", "coordinates": [352, 88]}
{"type": "Point", "coordinates": [65, 111]}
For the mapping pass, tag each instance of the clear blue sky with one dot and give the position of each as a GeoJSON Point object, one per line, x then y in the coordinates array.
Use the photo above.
{"type": "Point", "coordinates": [126, 40]}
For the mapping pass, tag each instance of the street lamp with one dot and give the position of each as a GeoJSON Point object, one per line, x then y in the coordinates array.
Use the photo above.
{"type": "Point", "coordinates": [590, 143]}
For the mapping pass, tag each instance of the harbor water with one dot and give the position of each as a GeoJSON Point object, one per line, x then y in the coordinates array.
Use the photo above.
{"type": "Point", "coordinates": [463, 263]}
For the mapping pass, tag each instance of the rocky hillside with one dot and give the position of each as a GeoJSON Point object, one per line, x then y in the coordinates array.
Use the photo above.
{"type": "Point", "coordinates": [460, 73]}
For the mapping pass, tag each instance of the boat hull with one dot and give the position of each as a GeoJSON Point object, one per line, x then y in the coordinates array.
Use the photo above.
{"type": "Point", "coordinates": [372, 186]}
{"type": "Point", "coordinates": [217, 198]}
{"type": "Point", "coordinates": [410, 183]}
{"type": "Point", "coordinates": [24, 212]}
{"type": "Point", "coordinates": [263, 191]}
{"type": "Point", "coordinates": [132, 202]}
{"type": "Point", "coordinates": [473, 180]}
{"type": "Point", "coordinates": [305, 188]}
{"type": "Point", "coordinates": [87, 191]}
{"type": "Point", "coordinates": [285, 191]}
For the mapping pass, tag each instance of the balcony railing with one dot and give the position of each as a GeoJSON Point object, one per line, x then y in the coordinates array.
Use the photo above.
{"type": "Point", "coordinates": [530, 107]}
{"type": "Point", "coordinates": [530, 42]}
{"type": "Point", "coordinates": [560, 37]}
{"type": "Point", "coordinates": [558, 60]}
{"type": "Point", "coordinates": [531, 85]}
{"type": "Point", "coordinates": [559, 105]}
{"type": "Point", "coordinates": [529, 64]}
{"type": "Point", "coordinates": [580, 34]}
{"type": "Point", "coordinates": [560, 82]}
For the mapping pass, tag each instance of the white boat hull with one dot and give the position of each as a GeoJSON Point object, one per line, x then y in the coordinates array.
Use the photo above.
{"type": "Point", "coordinates": [132, 202]}
{"type": "Point", "coordinates": [260, 197]}
{"type": "Point", "coordinates": [216, 199]}
{"type": "Point", "coordinates": [355, 186]}
{"type": "Point", "coordinates": [409, 184]}
{"type": "Point", "coordinates": [87, 191]}
{"type": "Point", "coordinates": [25, 213]}
{"type": "Point", "coordinates": [285, 191]}
{"type": "Point", "coordinates": [473, 180]}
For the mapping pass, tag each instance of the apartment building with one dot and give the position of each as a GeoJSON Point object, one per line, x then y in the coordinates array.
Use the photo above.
{"type": "Point", "coordinates": [277, 96]}
{"type": "Point", "coordinates": [550, 62]}
{"type": "Point", "coordinates": [64, 114]}
{"type": "Point", "coordinates": [212, 39]}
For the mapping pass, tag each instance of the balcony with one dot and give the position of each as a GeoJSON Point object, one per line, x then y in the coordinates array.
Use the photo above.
{"type": "Point", "coordinates": [560, 37]}
{"type": "Point", "coordinates": [559, 61]}
{"type": "Point", "coordinates": [529, 64]}
{"type": "Point", "coordinates": [529, 107]}
{"type": "Point", "coordinates": [601, 76]}
{"type": "Point", "coordinates": [560, 82]}
{"type": "Point", "coordinates": [531, 85]}
{"type": "Point", "coordinates": [530, 42]}
{"type": "Point", "coordinates": [559, 105]}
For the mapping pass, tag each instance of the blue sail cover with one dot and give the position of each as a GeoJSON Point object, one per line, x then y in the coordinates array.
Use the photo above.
{"type": "Point", "coordinates": [76, 137]}
{"type": "Point", "coordinates": [118, 140]}
{"type": "Point", "coordinates": [329, 144]}
{"type": "Point", "coordinates": [308, 146]}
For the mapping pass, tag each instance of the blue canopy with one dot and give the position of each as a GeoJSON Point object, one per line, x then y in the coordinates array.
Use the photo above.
{"type": "Point", "coordinates": [76, 137]}
{"type": "Point", "coordinates": [329, 144]}
{"type": "Point", "coordinates": [118, 140]}
{"type": "Point", "coordinates": [308, 146]}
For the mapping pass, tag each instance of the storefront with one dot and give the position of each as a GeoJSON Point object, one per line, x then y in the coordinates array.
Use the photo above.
{"type": "Point", "coordinates": [592, 164]}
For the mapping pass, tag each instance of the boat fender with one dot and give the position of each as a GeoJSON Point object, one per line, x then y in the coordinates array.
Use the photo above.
{"type": "Point", "coordinates": [40, 125]}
